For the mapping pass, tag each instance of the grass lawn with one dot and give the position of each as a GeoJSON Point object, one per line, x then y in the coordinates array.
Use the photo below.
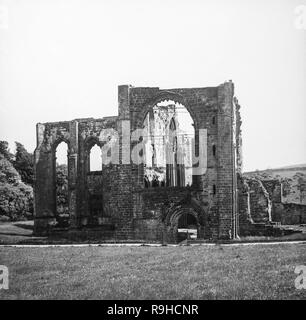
{"type": "Point", "coordinates": [195, 272]}
{"type": "Point", "coordinates": [16, 232]}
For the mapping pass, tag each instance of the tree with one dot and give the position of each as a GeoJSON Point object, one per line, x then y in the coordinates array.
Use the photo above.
{"type": "Point", "coordinates": [24, 164]}
{"type": "Point", "coordinates": [16, 201]}
{"type": "Point", "coordinates": [8, 174]}
{"type": "Point", "coordinates": [4, 150]}
{"type": "Point", "coordinates": [16, 197]}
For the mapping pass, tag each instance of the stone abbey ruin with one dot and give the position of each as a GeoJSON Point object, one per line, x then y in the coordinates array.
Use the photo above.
{"type": "Point", "coordinates": [171, 161]}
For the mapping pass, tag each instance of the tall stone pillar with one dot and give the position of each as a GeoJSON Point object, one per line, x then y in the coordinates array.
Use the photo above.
{"type": "Point", "coordinates": [72, 173]}
{"type": "Point", "coordinates": [227, 180]}
{"type": "Point", "coordinates": [125, 180]}
{"type": "Point", "coordinates": [44, 187]}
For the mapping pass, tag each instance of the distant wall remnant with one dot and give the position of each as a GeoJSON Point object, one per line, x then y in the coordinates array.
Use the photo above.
{"type": "Point", "coordinates": [272, 196]}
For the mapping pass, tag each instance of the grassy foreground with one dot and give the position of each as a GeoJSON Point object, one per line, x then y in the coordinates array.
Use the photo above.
{"type": "Point", "coordinates": [198, 272]}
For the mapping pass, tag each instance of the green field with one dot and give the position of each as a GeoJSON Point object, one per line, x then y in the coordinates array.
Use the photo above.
{"type": "Point", "coordinates": [194, 272]}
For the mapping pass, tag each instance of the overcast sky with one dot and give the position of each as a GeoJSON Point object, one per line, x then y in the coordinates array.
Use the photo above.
{"type": "Point", "coordinates": [61, 60]}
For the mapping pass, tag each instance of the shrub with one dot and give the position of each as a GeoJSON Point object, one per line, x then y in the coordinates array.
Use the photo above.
{"type": "Point", "coordinates": [24, 164]}
{"type": "Point", "coordinates": [8, 174]}
{"type": "Point", "coordinates": [16, 198]}
{"type": "Point", "coordinates": [16, 201]}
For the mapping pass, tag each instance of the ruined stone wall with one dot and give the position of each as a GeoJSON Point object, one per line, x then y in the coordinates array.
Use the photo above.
{"type": "Point", "coordinates": [274, 189]}
{"type": "Point", "coordinates": [255, 204]}
{"type": "Point", "coordinates": [91, 132]}
{"type": "Point", "coordinates": [151, 204]}
{"type": "Point", "coordinates": [284, 211]}
{"type": "Point", "coordinates": [49, 135]}
{"type": "Point", "coordinates": [289, 213]}
{"type": "Point", "coordinates": [263, 201]}
{"type": "Point", "coordinates": [237, 126]}
{"type": "Point", "coordinates": [211, 109]}
{"type": "Point", "coordinates": [294, 187]}
{"type": "Point", "coordinates": [292, 178]}
{"type": "Point", "coordinates": [128, 208]}
{"type": "Point", "coordinates": [80, 135]}
{"type": "Point", "coordinates": [260, 202]}
{"type": "Point", "coordinates": [244, 208]}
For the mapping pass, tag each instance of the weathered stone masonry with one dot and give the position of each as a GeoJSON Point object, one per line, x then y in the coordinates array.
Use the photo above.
{"type": "Point", "coordinates": [115, 201]}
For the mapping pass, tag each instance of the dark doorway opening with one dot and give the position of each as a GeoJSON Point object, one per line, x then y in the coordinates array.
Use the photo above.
{"type": "Point", "coordinates": [187, 227]}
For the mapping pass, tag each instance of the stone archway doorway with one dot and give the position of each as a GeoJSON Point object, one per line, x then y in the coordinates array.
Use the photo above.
{"type": "Point", "coordinates": [183, 222]}
{"type": "Point", "coordinates": [187, 227]}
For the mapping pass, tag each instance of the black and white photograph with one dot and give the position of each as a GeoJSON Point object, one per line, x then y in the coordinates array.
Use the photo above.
{"type": "Point", "coordinates": [152, 153]}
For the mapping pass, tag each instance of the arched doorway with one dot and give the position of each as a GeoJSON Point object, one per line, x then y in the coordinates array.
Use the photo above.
{"type": "Point", "coordinates": [187, 227]}
{"type": "Point", "coordinates": [182, 221]}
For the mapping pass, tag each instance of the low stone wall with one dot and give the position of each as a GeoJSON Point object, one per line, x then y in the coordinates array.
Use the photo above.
{"type": "Point", "coordinates": [147, 229]}
{"type": "Point", "coordinates": [289, 213]}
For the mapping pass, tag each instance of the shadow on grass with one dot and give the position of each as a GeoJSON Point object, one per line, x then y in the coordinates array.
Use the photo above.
{"type": "Point", "coordinates": [15, 234]}
{"type": "Point", "coordinates": [24, 226]}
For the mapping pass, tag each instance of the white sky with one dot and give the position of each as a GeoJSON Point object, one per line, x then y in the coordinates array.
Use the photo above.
{"type": "Point", "coordinates": [61, 60]}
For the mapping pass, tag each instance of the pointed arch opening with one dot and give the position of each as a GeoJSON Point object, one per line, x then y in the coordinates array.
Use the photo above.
{"type": "Point", "coordinates": [61, 182]}
{"type": "Point", "coordinates": [94, 182]}
{"type": "Point", "coordinates": [95, 158]}
{"type": "Point", "coordinates": [169, 138]}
